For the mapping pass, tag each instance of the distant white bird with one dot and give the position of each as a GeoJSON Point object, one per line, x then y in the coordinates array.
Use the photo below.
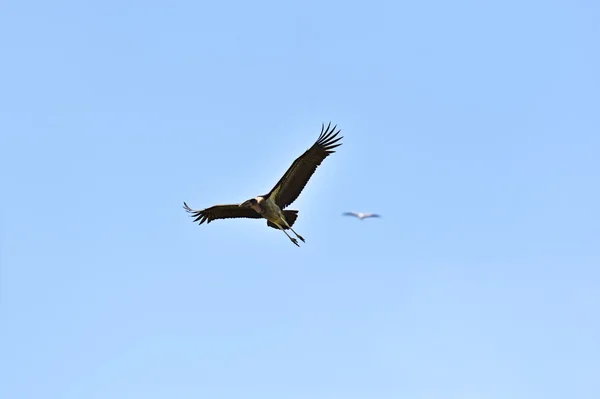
{"type": "Point", "coordinates": [361, 215]}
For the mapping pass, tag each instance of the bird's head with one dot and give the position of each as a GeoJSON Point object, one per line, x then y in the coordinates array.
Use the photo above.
{"type": "Point", "coordinates": [251, 203]}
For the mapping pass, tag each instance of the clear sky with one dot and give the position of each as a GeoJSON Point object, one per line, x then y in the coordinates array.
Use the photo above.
{"type": "Point", "coordinates": [472, 127]}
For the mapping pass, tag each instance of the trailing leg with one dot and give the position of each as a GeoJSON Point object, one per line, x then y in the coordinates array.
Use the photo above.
{"type": "Point", "coordinates": [290, 227]}
{"type": "Point", "coordinates": [288, 236]}
{"type": "Point", "coordinates": [293, 231]}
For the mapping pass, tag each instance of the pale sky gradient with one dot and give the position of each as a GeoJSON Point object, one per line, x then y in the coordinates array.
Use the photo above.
{"type": "Point", "coordinates": [472, 127]}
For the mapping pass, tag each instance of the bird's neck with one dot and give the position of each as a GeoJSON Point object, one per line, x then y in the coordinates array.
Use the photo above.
{"type": "Point", "coordinates": [259, 205]}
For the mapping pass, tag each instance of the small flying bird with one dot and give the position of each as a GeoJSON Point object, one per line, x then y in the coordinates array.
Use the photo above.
{"type": "Point", "coordinates": [361, 215]}
{"type": "Point", "coordinates": [270, 206]}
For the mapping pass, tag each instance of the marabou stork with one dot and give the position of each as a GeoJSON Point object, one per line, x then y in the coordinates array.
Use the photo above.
{"type": "Point", "coordinates": [271, 206]}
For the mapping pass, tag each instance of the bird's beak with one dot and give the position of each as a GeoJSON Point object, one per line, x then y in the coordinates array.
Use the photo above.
{"type": "Point", "coordinates": [245, 204]}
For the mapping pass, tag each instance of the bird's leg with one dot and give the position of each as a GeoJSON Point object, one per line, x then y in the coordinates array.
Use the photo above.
{"type": "Point", "coordinates": [285, 232]}
{"type": "Point", "coordinates": [290, 227]}
{"type": "Point", "coordinates": [297, 235]}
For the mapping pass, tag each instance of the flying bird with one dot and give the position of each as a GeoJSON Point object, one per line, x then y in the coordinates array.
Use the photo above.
{"type": "Point", "coordinates": [361, 215]}
{"type": "Point", "coordinates": [271, 206]}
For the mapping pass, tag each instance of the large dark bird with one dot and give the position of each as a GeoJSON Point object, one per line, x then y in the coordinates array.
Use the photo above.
{"type": "Point", "coordinates": [270, 206]}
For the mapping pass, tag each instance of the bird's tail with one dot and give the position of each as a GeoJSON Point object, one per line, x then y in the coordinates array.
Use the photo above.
{"type": "Point", "coordinates": [290, 217]}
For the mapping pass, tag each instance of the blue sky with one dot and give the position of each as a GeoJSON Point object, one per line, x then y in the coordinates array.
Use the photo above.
{"type": "Point", "coordinates": [472, 128]}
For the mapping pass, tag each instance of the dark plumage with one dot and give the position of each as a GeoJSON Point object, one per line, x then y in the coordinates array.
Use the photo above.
{"type": "Point", "coordinates": [234, 211]}
{"type": "Point", "coordinates": [270, 206]}
{"type": "Point", "coordinates": [291, 184]}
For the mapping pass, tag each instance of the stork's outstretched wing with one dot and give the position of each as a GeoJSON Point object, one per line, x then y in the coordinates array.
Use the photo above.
{"type": "Point", "coordinates": [289, 187]}
{"type": "Point", "coordinates": [350, 214]}
{"type": "Point", "coordinates": [221, 212]}
{"type": "Point", "coordinates": [371, 215]}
